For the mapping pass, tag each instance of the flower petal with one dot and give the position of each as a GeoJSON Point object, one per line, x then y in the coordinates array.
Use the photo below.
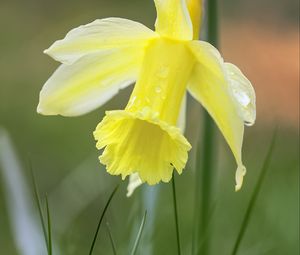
{"type": "Point", "coordinates": [139, 142]}
{"type": "Point", "coordinates": [134, 182]}
{"type": "Point", "coordinates": [90, 82]}
{"type": "Point", "coordinates": [195, 9]}
{"type": "Point", "coordinates": [134, 179]}
{"type": "Point", "coordinates": [100, 35]}
{"type": "Point", "coordinates": [173, 19]}
{"type": "Point", "coordinates": [226, 94]}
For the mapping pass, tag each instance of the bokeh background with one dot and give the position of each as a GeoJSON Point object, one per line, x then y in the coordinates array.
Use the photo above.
{"type": "Point", "coordinates": [261, 37]}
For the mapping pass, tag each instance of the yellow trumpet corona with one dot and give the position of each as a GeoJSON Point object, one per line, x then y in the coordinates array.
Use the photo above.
{"type": "Point", "coordinates": [106, 55]}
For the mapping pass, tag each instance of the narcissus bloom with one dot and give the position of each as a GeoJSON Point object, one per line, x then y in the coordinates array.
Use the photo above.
{"type": "Point", "coordinates": [100, 58]}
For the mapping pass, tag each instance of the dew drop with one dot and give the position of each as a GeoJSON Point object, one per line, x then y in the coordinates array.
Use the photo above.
{"type": "Point", "coordinates": [248, 123]}
{"type": "Point", "coordinates": [158, 89]}
{"type": "Point", "coordinates": [241, 97]}
{"type": "Point", "coordinates": [163, 72]}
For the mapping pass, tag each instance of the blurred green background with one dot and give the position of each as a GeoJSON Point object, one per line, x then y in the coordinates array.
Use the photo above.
{"type": "Point", "coordinates": [261, 37]}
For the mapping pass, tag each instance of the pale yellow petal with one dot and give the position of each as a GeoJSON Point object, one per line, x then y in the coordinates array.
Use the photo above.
{"type": "Point", "coordinates": [226, 94]}
{"type": "Point", "coordinates": [195, 8]}
{"type": "Point", "coordinates": [134, 182]}
{"type": "Point", "coordinates": [90, 82]}
{"type": "Point", "coordinates": [100, 35]}
{"type": "Point", "coordinates": [173, 19]}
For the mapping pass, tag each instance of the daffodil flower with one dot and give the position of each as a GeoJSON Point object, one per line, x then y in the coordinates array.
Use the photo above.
{"type": "Point", "coordinates": [100, 58]}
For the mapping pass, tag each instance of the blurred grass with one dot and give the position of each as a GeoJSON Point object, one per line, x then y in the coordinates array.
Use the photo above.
{"type": "Point", "coordinates": [38, 204]}
{"type": "Point", "coordinates": [253, 198]}
{"type": "Point", "coordinates": [49, 227]}
{"type": "Point", "coordinates": [59, 145]}
{"type": "Point", "coordinates": [101, 219]}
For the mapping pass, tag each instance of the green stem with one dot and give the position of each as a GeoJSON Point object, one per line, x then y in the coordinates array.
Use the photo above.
{"type": "Point", "coordinates": [176, 215]}
{"type": "Point", "coordinates": [206, 154]}
{"type": "Point", "coordinates": [207, 176]}
{"type": "Point", "coordinates": [212, 22]}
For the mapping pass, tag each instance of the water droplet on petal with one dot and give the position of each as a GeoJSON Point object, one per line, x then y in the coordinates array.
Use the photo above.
{"type": "Point", "coordinates": [241, 97]}
{"type": "Point", "coordinates": [158, 89]}
{"type": "Point", "coordinates": [248, 123]}
{"type": "Point", "coordinates": [163, 72]}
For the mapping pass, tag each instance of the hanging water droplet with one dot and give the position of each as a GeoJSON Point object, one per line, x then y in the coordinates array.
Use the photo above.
{"type": "Point", "coordinates": [241, 97]}
{"type": "Point", "coordinates": [248, 123]}
{"type": "Point", "coordinates": [158, 89]}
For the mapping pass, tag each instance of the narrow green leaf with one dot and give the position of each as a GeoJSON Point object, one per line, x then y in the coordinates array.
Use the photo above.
{"type": "Point", "coordinates": [138, 237]}
{"type": "Point", "coordinates": [49, 227]}
{"type": "Point", "coordinates": [176, 214]}
{"type": "Point", "coordinates": [113, 244]}
{"type": "Point", "coordinates": [254, 196]}
{"type": "Point", "coordinates": [37, 200]}
{"type": "Point", "coordinates": [101, 219]}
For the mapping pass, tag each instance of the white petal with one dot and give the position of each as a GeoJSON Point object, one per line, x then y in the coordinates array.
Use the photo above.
{"type": "Point", "coordinates": [134, 182]}
{"type": "Point", "coordinates": [90, 82]}
{"type": "Point", "coordinates": [100, 35]}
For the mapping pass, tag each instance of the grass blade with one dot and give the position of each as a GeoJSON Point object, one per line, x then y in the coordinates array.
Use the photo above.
{"type": "Point", "coordinates": [176, 214]}
{"type": "Point", "coordinates": [254, 196]}
{"type": "Point", "coordinates": [101, 219]}
{"type": "Point", "coordinates": [138, 237]}
{"type": "Point", "coordinates": [49, 228]}
{"type": "Point", "coordinates": [38, 203]}
{"type": "Point", "coordinates": [113, 245]}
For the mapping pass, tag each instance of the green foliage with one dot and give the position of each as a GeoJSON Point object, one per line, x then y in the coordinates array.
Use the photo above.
{"type": "Point", "coordinates": [139, 234]}
{"type": "Point", "coordinates": [113, 245]}
{"type": "Point", "coordinates": [101, 219]}
{"type": "Point", "coordinates": [38, 203]}
{"type": "Point", "coordinates": [254, 196]}
{"type": "Point", "coordinates": [49, 227]}
{"type": "Point", "coordinates": [176, 215]}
